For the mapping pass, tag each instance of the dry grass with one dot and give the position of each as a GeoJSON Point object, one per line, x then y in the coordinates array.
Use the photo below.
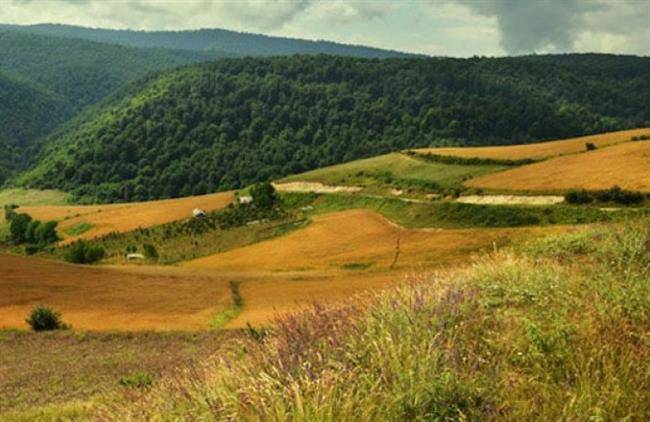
{"type": "Point", "coordinates": [121, 218]}
{"type": "Point", "coordinates": [98, 298]}
{"type": "Point", "coordinates": [51, 368]}
{"type": "Point", "coordinates": [556, 333]}
{"type": "Point", "coordinates": [340, 254]}
{"type": "Point", "coordinates": [541, 150]}
{"type": "Point", "coordinates": [626, 165]}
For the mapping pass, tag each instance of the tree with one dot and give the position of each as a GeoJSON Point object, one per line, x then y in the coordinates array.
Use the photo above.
{"type": "Point", "coordinates": [264, 195]}
{"type": "Point", "coordinates": [18, 227]}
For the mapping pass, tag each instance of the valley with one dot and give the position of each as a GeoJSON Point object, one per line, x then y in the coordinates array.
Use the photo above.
{"type": "Point", "coordinates": [219, 225]}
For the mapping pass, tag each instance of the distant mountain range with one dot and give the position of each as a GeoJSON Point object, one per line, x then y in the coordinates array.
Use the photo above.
{"type": "Point", "coordinates": [220, 40]}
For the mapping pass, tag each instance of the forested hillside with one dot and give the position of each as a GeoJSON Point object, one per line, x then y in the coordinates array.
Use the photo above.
{"type": "Point", "coordinates": [228, 123]}
{"type": "Point", "coordinates": [27, 111]}
{"type": "Point", "coordinates": [238, 43]}
{"type": "Point", "coordinates": [45, 81]}
{"type": "Point", "coordinates": [82, 71]}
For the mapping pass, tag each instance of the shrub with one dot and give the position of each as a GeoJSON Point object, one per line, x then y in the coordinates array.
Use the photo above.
{"type": "Point", "coordinates": [589, 146]}
{"type": "Point", "coordinates": [150, 251]}
{"type": "Point", "coordinates": [43, 318]}
{"type": "Point", "coordinates": [82, 252]}
{"type": "Point", "coordinates": [614, 194]}
{"type": "Point", "coordinates": [578, 197]}
{"type": "Point", "coordinates": [31, 249]}
{"type": "Point", "coordinates": [237, 299]}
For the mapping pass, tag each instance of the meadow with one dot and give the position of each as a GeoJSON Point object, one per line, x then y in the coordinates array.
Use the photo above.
{"type": "Point", "coordinates": [351, 276]}
{"type": "Point", "coordinates": [395, 171]}
{"type": "Point", "coordinates": [532, 333]}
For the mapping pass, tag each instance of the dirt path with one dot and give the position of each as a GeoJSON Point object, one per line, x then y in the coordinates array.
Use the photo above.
{"type": "Point", "coordinates": [511, 199]}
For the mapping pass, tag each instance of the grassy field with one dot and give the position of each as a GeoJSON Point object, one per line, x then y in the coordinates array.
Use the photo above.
{"type": "Point", "coordinates": [30, 197]}
{"type": "Point", "coordinates": [395, 170]}
{"type": "Point", "coordinates": [119, 297]}
{"type": "Point", "coordinates": [626, 165]}
{"type": "Point", "coordinates": [70, 369]}
{"type": "Point", "coordinates": [454, 215]}
{"type": "Point", "coordinates": [553, 331]}
{"type": "Point", "coordinates": [541, 150]}
{"type": "Point", "coordinates": [104, 219]}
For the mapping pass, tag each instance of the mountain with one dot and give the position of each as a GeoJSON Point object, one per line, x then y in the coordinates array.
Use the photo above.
{"type": "Point", "coordinates": [45, 81]}
{"type": "Point", "coordinates": [224, 124]}
{"type": "Point", "coordinates": [222, 40]}
{"type": "Point", "coordinates": [27, 111]}
{"type": "Point", "coordinates": [82, 71]}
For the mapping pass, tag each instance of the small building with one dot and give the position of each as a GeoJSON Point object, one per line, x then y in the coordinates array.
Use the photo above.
{"type": "Point", "coordinates": [198, 213]}
{"type": "Point", "coordinates": [134, 256]}
{"type": "Point", "coordinates": [245, 199]}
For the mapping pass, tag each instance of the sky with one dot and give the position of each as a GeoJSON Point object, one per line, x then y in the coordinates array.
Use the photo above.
{"type": "Point", "coordinates": [459, 28]}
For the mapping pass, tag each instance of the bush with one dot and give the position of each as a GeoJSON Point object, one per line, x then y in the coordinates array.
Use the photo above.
{"type": "Point", "coordinates": [43, 318]}
{"type": "Point", "coordinates": [150, 251]}
{"type": "Point", "coordinates": [578, 197]}
{"type": "Point", "coordinates": [83, 252]}
{"type": "Point", "coordinates": [237, 299]}
{"type": "Point", "coordinates": [590, 146]}
{"type": "Point", "coordinates": [614, 194]}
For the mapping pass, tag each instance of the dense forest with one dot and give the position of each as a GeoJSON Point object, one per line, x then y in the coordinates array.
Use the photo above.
{"type": "Point", "coordinates": [45, 81]}
{"type": "Point", "coordinates": [81, 71]}
{"type": "Point", "coordinates": [232, 122]}
{"type": "Point", "coordinates": [27, 111]}
{"type": "Point", "coordinates": [216, 40]}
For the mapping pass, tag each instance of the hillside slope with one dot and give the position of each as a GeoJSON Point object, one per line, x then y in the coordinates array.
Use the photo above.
{"type": "Point", "coordinates": [225, 124]}
{"type": "Point", "coordinates": [83, 71]}
{"type": "Point", "coordinates": [626, 165]}
{"type": "Point", "coordinates": [232, 42]}
{"type": "Point", "coordinates": [27, 111]}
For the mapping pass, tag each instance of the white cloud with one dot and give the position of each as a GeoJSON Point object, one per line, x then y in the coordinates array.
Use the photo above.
{"type": "Point", "coordinates": [438, 27]}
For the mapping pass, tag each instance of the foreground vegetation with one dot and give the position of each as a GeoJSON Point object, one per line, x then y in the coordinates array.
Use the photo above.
{"type": "Point", "coordinates": [46, 374]}
{"type": "Point", "coordinates": [557, 332]}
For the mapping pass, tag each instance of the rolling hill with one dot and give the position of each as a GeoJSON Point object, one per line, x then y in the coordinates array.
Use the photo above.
{"type": "Point", "coordinates": [626, 165]}
{"type": "Point", "coordinates": [45, 81]}
{"type": "Point", "coordinates": [81, 71]}
{"type": "Point", "coordinates": [226, 124]}
{"type": "Point", "coordinates": [27, 111]}
{"type": "Point", "coordinates": [541, 150]}
{"type": "Point", "coordinates": [237, 43]}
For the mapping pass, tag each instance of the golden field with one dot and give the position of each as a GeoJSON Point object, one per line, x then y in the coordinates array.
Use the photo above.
{"type": "Point", "coordinates": [113, 298]}
{"type": "Point", "coordinates": [105, 219]}
{"type": "Point", "coordinates": [341, 254]}
{"type": "Point", "coordinates": [540, 150]}
{"type": "Point", "coordinates": [626, 165]}
{"type": "Point", "coordinates": [337, 256]}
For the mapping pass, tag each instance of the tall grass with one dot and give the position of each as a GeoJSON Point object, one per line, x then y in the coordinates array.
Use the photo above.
{"type": "Point", "coordinates": [560, 331]}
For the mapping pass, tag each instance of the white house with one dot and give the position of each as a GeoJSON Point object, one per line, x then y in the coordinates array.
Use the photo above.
{"type": "Point", "coordinates": [198, 213]}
